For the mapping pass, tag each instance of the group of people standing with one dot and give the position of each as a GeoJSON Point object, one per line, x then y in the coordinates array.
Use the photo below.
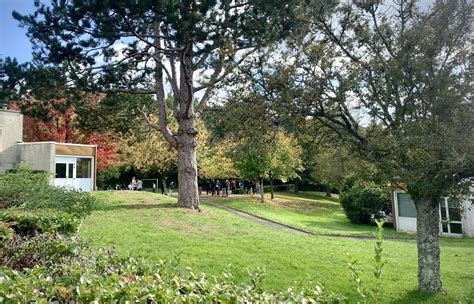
{"type": "Point", "coordinates": [135, 185]}
{"type": "Point", "coordinates": [216, 187]}
{"type": "Point", "coordinates": [226, 187]}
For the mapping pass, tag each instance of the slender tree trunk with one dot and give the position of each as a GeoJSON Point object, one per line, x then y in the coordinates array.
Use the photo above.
{"type": "Point", "coordinates": [296, 186]}
{"type": "Point", "coordinates": [261, 190]}
{"type": "Point", "coordinates": [163, 185]}
{"type": "Point", "coordinates": [271, 188]}
{"type": "Point", "coordinates": [328, 191]}
{"type": "Point", "coordinates": [429, 276]}
{"type": "Point", "coordinates": [188, 194]}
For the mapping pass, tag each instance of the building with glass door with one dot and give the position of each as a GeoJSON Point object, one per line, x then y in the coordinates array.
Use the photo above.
{"type": "Point", "coordinates": [456, 216]}
{"type": "Point", "coordinates": [71, 165]}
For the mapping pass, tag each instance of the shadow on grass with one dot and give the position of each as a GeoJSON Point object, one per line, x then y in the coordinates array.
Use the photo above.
{"type": "Point", "coordinates": [138, 206]}
{"type": "Point", "coordinates": [415, 296]}
{"type": "Point", "coordinates": [306, 195]}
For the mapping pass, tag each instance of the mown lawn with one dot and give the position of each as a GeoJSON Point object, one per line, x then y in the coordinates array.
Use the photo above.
{"type": "Point", "coordinates": [149, 225]}
{"type": "Point", "coordinates": [310, 211]}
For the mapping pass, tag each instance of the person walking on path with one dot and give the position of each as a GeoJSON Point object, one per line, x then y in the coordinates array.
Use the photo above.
{"type": "Point", "coordinates": [232, 186]}
{"type": "Point", "coordinates": [208, 187]}
{"type": "Point", "coordinates": [218, 187]}
{"type": "Point", "coordinates": [139, 185]}
{"type": "Point", "coordinates": [226, 187]}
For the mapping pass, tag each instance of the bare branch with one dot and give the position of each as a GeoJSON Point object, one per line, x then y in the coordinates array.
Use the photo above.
{"type": "Point", "coordinates": [160, 94]}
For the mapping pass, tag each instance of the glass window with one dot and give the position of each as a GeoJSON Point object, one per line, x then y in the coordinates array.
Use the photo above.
{"type": "Point", "coordinates": [445, 228]}
{"type": "Point", "coordinates": [83, 168]}
{"type": "Point", "coordinates": [60, 171]}
{"type": "Point", "coordinates": [70, 172]}
{"type": "Point", "coordinates": [406, 206]}
{"type": "Point", "coordinates": [455, 228]}
{"type": "Point", "coordinates": [454, 210]}
{"type": "Point", "coordinates": [443, 212]}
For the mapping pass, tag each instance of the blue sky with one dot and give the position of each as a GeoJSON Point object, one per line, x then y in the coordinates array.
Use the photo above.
{"type": "Point", "coordinates": [13, 40]}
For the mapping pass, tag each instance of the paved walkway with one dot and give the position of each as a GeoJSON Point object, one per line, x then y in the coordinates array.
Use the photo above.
{"type": "Point", "coordinates": [257, 219]}
{"type": "Point", "coordinates": [270, 223]}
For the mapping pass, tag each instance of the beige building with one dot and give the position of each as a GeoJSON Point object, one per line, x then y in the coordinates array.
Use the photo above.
{"type": "Point", "coordinates": [70, 165]}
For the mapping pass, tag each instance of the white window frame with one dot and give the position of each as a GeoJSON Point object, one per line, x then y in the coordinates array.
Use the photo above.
{"type": "Point", "coordinates": [448, 220]}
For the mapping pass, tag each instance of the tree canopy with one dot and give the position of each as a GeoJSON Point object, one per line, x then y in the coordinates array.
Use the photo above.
{"type": "Point", "coordinates": [398, 80]}
{"type": "Point", "coordinates": [135, 47]}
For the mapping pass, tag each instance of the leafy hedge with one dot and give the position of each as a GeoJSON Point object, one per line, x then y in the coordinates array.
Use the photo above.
{"type": "Point", "coordinates": [20, 252]}
{"type": "Point", "coordinates": [364, 203]}
{"type": "Point", "coordinates": [105, 277]}
{"type": "Point", "coordinates": [31, 222]}
{"type": "Point", "coordinates": [31, 190]}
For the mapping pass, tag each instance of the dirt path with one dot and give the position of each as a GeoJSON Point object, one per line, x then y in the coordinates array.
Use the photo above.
{"type": "Point", "coordinates": [273, 224]}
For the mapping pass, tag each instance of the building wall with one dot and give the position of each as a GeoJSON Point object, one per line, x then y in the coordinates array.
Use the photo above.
{"type": "Point", "coordinates": [11, 132]}
{"type": "Point", "coordinates": [409, 223]}
{"type": "Point", "coordinates": [38, 156]}
{"type": "Point", "coordinates": [468, 217]}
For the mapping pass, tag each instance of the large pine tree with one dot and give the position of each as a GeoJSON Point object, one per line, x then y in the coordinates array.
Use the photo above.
{"type": "Point", "coordinates": [151, 47]}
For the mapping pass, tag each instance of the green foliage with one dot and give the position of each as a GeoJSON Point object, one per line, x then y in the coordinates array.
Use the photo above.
{"type": "Point", "coordinates": [105, 277]}
{"type": "Point", "coordinates": [275, 155]}
{"type": "Point", "coordinates": [6, 231]}
{"type": "Point", "coordinates": [31, 222]}
{"type": "Point", "coordinates": [31, 190]}
{"type": "Point", "coordinates": [22, 252]}
{"type": "Point", "coordinates": [17, 187]}
{"type": "Point", "coordinates": [370, 295]}
{"type": "Point", "coordinates": [239, 191]}
{"type": "Point", "coordinates": [364, 203]}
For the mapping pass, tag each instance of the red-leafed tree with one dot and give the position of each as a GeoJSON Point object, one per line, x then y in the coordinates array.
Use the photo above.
{"type": "Point", "coordinates": [58, 122]}
{"type": "Point", "coordinates": [107, 148]}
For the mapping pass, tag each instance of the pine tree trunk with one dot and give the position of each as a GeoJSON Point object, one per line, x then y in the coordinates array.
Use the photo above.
{"type": "Point", "coordinates": [429, 276]}
{"type": "Point", "coordinates": [188, 194]}
{"type": "Point", "coordinates": [271, 188]}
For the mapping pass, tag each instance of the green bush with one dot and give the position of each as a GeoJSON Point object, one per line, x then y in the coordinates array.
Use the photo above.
{"type": "Point", "coordinates": [104, 277]}
{"type": "Point", "coordinates": [240, 191]}
{"type": "Point", "coordinates": [31, 222]}
{"type": "Point", "coordinates": [21, 252]}
{"type": "Point", "coordinates": [31, 190]}
{"type": "Point", "coordinates": [364, 203]}
{"type": "Point", "coordinates": [16, 187]}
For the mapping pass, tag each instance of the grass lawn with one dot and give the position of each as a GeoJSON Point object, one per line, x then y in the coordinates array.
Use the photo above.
{"type": "Point", "coordinates": [310, 211]}
{"type": "Point", "coordinates": [149, 225]}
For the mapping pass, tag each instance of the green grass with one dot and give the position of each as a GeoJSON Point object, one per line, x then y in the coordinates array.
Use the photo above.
{"type": "Point", "coordinates": [148, 225]}
{"type": "Point", "coordinates": [310, 211]}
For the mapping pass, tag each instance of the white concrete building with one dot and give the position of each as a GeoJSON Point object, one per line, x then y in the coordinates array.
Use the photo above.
{"type": "Point", "coordinates": [70, 165]}
{"type": "Point", "coordinates": [456, 217]}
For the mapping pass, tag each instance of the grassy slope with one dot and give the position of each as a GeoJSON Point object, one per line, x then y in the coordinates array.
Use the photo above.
{"type": "Point", "coordinates": [148, 225]}
{"type": "Point", "coordinates": [310, 211]}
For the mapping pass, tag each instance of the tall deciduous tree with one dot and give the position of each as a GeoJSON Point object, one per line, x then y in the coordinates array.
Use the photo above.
{"type": "Point", "coordinates": [272, 155]}
{"type": "Point", "coordinates": [399, 81]}
{"type": "Point", "coordinates": [144, 47]}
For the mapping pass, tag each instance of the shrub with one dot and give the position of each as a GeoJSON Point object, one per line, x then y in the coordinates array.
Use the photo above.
{"type": "Point", "coordinates": [22, 252]}
{"type": "Point", "coordinates": [104, 277]}
{"type": "Point", "coordinates": [364, 203]}
{"type": "Point", "coordinates": [31, 190]}
{"type": "Point", "coordinates": [240, 191]}
{"type": "Point", "coordinates": [31, 222]}
{"type": "Point", "coordinates": [17, 186]}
